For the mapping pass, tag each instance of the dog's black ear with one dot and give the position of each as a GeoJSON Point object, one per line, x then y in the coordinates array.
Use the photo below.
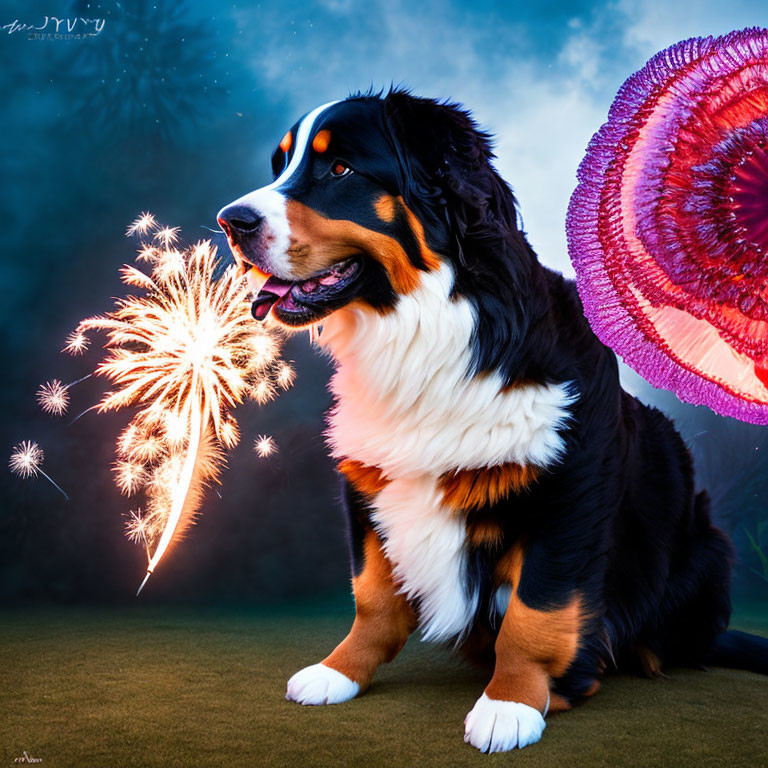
{"type": "Point", "coordinates": [446, 162]}
{"type": "Point", "coordinates": [450, 183]}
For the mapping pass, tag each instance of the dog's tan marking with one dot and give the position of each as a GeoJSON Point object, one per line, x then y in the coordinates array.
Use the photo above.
{"type": "Point", "coordinates": [649, 661]}
{"type": "Point", "coordinates": [558, 703]}
{"type": "Point", "coordinates": [428, 256]}
{"type": "Point", "coordinates": [474, 488]}
{"type": "Point", "coordinates": [332, 240]}
{"type": "Point", "coordinates": [532, 646]}
{"type": "Point", "coordinates": [385, 208]}
{"type": "Point", "coordinates": [321, 141]}
{"type": "Point", "coordinates": [286, 142]}
{"type": "Point", "coordinates": [593, 689]}
{"type": "Point", "coordinates": [388, 208]}
{"type": "Point", "coordinates": [485, 533]}
{"type": "Point", "coordinates": [384, 619]}
{"type": "Point", "coordinates": [367, 480]}
{"type": "Point", "coordinates": [518, 384]}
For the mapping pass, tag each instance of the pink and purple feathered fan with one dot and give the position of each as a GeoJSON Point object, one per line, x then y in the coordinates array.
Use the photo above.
{"type": "Point", "coordinates": [668, 227]}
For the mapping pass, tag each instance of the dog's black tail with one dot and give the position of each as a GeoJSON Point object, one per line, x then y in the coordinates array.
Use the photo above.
{"type": "Point", "coordinates": [740, 650]}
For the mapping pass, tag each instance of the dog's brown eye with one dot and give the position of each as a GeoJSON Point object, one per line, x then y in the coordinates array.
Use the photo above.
{"type": "Point", "coordinates": [340, 169]}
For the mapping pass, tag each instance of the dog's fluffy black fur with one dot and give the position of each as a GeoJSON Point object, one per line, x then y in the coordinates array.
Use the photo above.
{"type": "Point", "coordinates": [617, 519]}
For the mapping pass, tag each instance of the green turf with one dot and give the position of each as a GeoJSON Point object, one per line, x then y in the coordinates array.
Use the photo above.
{"type": "Point", "coordinates": [170, 687]}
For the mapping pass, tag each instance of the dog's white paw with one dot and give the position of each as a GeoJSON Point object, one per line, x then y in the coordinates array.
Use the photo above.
{"type": "Point", "coordinates": [498, 726]}
{"type": "Point", "coordinates": [319, 684]}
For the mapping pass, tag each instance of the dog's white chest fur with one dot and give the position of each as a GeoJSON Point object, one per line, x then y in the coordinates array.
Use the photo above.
{"type": "Point", "coordinates": [425, 544]}
{"type": "Point", "coordinates": [405, 404]}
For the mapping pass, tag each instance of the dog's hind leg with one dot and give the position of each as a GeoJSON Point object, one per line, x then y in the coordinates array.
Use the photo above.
{"type": "Point", "coordinates": [532, 647]}
{"type": "Point", "coordinates": [384, 620]}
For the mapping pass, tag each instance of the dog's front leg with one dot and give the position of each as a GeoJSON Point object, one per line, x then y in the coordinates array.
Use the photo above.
{"type": "Point", "coordinates": [384, 620]}
{"type": "Point", "coordinates": [532, 647]}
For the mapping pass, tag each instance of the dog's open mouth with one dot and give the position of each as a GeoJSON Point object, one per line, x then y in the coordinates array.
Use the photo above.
{"type": "Point", "coordinates": [300, 301]}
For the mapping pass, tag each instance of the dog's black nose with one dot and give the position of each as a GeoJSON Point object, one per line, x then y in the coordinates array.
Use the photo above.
{"type": "Point", "coordinates": [239, 221]}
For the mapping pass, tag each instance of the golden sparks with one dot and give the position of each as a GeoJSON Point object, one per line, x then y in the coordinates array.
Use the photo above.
{"type": "Point", "coordinates": [263, 391]}
{"type": "Point", "coordinates": [76, 343]}
{"type": "Point", "coordinates": [130, 476]}
{"type": "Point", "coordinates": [285, 376]}
{"type": "Point", "coordinates": [184, 353]}
{"type": "Point", "coordinates": [26, 459]}
{"type": "Point", "coordinates": [167, 236]}
{"type": "Point", "coordinates": [136, 527]}
{"type": "Point", "coordinates": [142, 225]}
{"type": "Point", "coordinates": [264, 446]}
{"type": "Point", "coordinates": [53, 397]}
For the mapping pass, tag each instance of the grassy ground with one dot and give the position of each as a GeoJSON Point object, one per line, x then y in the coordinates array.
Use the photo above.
{"type": "Point", "coordinates": [170, 687]}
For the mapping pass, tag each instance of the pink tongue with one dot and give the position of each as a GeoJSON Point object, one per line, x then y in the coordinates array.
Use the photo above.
{"type": "Point", "coordinates": [273, 290]}
{"type": "Point", "coordinates": [276, 286]}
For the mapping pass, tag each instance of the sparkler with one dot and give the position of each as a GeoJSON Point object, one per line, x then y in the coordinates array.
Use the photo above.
{"type": "Point", "coordinates": [184, 354]}
{"type": "Point", "coordinates": [264, 446]}
{"type": "Point", "coordinates": [76, 344]}
{"type": "Point", "coordinates": [27, 461]}
{"type": "Point", "coordinates": [142, 225]}
{"type": "Point", "coordinates": [285, 376]}
{"type": "Point", "coordinates": [167, 236]}
{"type": "Point", "coordinates": [136, 527]}
{"type": "Point", "coordinates": [53, 397]}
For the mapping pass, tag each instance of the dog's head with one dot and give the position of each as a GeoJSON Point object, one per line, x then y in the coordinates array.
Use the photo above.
{"type": "Point", "coordinates": [369, 194]}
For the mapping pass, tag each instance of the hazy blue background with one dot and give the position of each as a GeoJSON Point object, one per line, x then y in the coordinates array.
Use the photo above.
{"type": "Point", "coordinates": [175, 108]}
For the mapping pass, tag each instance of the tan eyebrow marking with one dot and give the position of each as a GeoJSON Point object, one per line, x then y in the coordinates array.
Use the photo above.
{"type": "Point", "coordinates": [321, 141]}
{"type": "Point", "coordinates": [286, 141]}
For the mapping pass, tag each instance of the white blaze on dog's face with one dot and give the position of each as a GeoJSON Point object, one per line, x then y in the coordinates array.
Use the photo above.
{"type": "Point", "coordinates": [333, 226]}
{"type": "Point", "coordinates": [263, 211]}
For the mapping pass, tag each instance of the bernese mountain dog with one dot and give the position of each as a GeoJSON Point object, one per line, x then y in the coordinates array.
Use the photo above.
{"type": "Point", "coordinates": [504, 494]}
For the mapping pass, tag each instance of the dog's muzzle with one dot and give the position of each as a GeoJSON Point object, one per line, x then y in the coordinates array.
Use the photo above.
{"type": "Point", "coordinates": [243, 226]}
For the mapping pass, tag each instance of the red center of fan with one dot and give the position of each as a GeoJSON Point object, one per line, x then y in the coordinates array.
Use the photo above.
{"type": "Point", "coordinates": [750, 197]}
